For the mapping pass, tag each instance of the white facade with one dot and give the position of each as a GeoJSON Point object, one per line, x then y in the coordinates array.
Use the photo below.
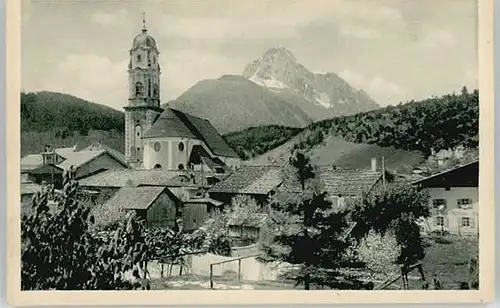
{"type": "Point", "coordinates": [173, 153]}
{"type": "Point", "coordinates": [454, 210]}
{"type": "Point", "coordinates": [168, 152]}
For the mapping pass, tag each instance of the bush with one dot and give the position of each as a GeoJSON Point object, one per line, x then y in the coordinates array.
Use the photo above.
{"type": "Point", "coordinates": [59, 250]}
{"type": "Point", "coordinates": [379, 253]}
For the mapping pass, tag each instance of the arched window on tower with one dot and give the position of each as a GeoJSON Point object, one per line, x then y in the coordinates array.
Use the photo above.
{"type": "Point", "coordinates": [155, 90]}
{"type": "Point", "coordinates": [138, 135]}
{"type": "Point", "coordinates": [138, 58]}
{"type": "Point", "coordinates": [149, 87]}
{"type": "Point", "coordinates": [138, 88]}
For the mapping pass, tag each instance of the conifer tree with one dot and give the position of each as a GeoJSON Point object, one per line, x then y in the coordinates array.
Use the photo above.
{"type": "Point", "coordinates": [306, 230]}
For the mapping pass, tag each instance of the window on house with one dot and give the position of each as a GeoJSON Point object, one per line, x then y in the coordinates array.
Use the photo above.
{"type": "Point", "coordinates": [438, 202]}
{"type": "Point", "coordinates": [440, 221]}
{"type": "Point", "coordinates": [465, 222]}
{"type": "Point", "coordinates": [138, 58]}
{"type": "Point", "coordinates": [464, 203]}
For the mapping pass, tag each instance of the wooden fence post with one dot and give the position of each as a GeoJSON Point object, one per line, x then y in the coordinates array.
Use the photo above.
{"type": "Point", "coordinates": [211, 277]}
{"type": "Point", "coordinates": [239, 270]}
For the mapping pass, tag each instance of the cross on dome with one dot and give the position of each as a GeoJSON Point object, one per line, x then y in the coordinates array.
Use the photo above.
{"type": "Point", "coordinates": [144, 22]}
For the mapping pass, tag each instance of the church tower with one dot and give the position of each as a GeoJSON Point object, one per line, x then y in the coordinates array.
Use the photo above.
{"type": "Point", "coordinates": [144, 94]}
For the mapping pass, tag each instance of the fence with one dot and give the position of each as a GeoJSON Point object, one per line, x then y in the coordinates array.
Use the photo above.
{"type": "Point", "coordinates": [228, 261]}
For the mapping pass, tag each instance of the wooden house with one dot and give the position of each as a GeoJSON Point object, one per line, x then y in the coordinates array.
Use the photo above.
{"type": "Point", "coordinates": [258, 182]}
{"type": "Point", "coordinates": [156, 205]}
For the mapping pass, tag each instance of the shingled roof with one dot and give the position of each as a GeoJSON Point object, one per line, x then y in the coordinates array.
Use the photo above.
{"type": "Point", "coordinates": [263, 179]}
{"type": "Point", "coordinates": [71, 158]}
{"type": "Point", "coordinates": [258, 180]}
{"type": "Point", "coordinates": [348, 182]}
{"type": "Point", "coordinates": [175, 123]}
{"type": "Point", "coordinates": [135, 197]}
{"type": "Point", "coordinates": [131, 177]}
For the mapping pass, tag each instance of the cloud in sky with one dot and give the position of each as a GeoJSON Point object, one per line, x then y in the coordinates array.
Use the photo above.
{"type": "Point", "coordinates": [395, 50]}
{"type": "Point", "coordinates": [107, 19]}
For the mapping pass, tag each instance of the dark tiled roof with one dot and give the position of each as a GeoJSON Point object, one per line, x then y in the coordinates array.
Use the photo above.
{"type": "Point", "coordinates": [174, 123]}
{"type": "Point", "coordinates": [169, 124]}
{"type": "Point", "coordinates": [346, 182]}
{"type": "Point", "coordinates": [71, 157]}
{"type": "Point", "coordinates": [135, 197]}
{"type": "Point", "coordinates": [204, 200]}
{"type": "Point", "coordinates": [250, 180]}
{"type": "Point", "coordinates": [209, 134]}
{"type": "Point", "coordinates": [474, 163]}
{"type": "Point", "coordinates": [114, 153]}
{"type": "Point", "coordinates": [77, 159]}
{"type": "Point", "coordinates": [130, 177]}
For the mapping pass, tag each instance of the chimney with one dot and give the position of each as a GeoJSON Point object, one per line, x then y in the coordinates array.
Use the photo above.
{"type": "Point", "coordinates": [374, 164]}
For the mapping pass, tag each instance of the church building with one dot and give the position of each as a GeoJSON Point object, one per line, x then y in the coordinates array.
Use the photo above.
{"type": "Point", "coordinates": [168, 139]}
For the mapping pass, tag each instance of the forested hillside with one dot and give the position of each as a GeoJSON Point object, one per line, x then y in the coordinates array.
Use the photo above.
{"type": "Point", "coordinates": [257, 140]}
{"type": "Point", "coordinates": [64, 120]}
{"type": "Point", "coordinates": [44, 111]}
{"type": "Point", "coordinates": [435, 123]}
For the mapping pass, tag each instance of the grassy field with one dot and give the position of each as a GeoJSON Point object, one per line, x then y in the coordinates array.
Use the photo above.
{"type": "Point", "coordinates": [447, 257]}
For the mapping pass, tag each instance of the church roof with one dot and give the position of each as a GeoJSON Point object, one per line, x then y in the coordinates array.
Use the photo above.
{"type": "Point", "coordinates": [144, 40]}
{"type": "Point", "coordinates": [175, 123]}
{"type": "Point", "coordinates": [169, 124]}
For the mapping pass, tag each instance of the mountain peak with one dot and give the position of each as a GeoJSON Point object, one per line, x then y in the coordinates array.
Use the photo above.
{"type": "Point", "coordinates": [279, 71]}
{"type": "Point", "coordinates": [279, 52]}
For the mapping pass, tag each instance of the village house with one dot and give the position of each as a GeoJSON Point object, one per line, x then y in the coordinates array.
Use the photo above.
{"type": "Point", "coordinates": [261, 182]}
{"type": "Point", "coordinates": [186, 189]}
{"type": "Point", "coordinates": [156, 205]}
{"type": "Point", "coordinates": [258, 182]}
{"type": "Point", "coordinates": [50, 165]}
{"type": "Point", "coordinates": [453, 200]}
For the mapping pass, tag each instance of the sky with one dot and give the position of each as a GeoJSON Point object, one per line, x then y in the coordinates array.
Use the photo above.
{"type": "Point", "coordinates": [395, 50]}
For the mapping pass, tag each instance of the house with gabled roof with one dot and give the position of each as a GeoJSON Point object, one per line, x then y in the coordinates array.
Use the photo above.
{"type": "Point", "coordinates": [454, 200]}
{"type": "Point", "coordinates": [50, 165]}
{"type": "Point", "coordinates": [156, 205]}
{"type": "Point", "coordinates": [260, 182]}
